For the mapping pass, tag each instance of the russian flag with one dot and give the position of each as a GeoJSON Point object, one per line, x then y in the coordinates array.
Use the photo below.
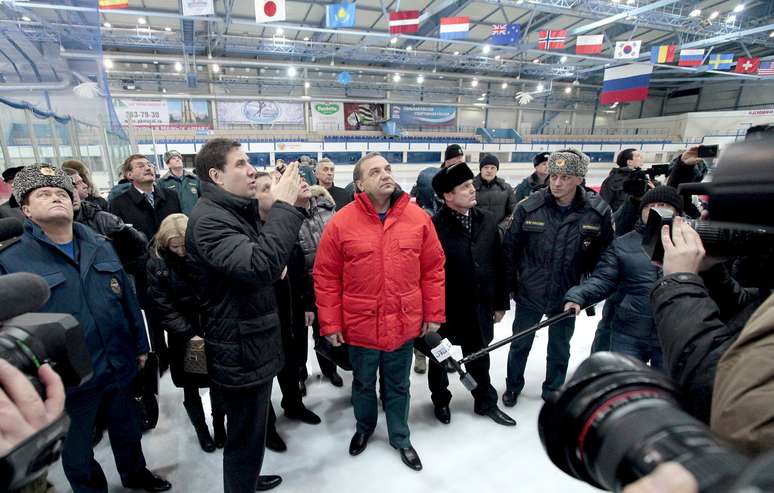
{"type": "Point", "coordinates": [626, 83]}
{"type": "Point", "coordinates": [691, 57]}
{"type": "Point", "coordinates": [454, 27]}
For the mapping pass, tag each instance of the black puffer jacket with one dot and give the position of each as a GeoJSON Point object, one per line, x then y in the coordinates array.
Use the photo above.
{"type": "Point", "coordinates": [495, 196]}
{"type": "Point", "coordinates": [237, 262]}
{"type": "Point", "coordinates": [173, 301]}
{"type": "Point", "coordinates": [475, 276]}
{"type": "Point", "coordinates": [320, 211]}
{"type": "Point", "coordinates": [547, 253]}
{"type": "Point", "coordinates": [626, 271]}
{"type": "Point", "coordinates": [697, 319]}
{"type": "Point", "coordinates": [612, 187]}
{"type": "Point", "coordinates": [130, 244]}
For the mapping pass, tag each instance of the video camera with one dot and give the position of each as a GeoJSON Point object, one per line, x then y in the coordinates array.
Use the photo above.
{"type": "Point", "coordinates": [637, 183]}
{"type": "Point", "coordinates": [740, 201]}
{"type": "Point", "coordinates": [28, 340]}
{"type": "Point", "coordinates": [617, 419]}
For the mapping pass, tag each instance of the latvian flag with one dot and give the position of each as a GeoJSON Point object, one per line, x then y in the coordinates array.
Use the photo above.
{"type": "Point", "coordinates": [404, 21]}
{"type": "Point", "coordinates": [626, 83]}
{"type": "Point", "coordinates": [552, 40]}
{"type": "Point", "coordinates": [691, 57]}
{"type": "Point", "coordinates": [589, 45]}
{"type": "Point", "coordinates": [454, 27]}
{"type": "Point", "coordinates": [113, 4]}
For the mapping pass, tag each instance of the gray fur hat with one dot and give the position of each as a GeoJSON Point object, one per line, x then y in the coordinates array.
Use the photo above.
{"type": "Point", "coordinates": [170, 154]}
{"type": "Point", "coordinates": [568, 162]}
{"type": "Point", "coordinates": [38, 176]}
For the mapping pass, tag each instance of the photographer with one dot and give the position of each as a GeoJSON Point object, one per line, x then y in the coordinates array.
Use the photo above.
{"type": "Point", "coordinates": [612, 188]}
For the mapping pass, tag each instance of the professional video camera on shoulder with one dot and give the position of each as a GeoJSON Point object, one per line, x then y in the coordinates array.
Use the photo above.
{"type": "Point", "coordinates": [28, 340]}
{"type": "Point", "coordinates": [740, 205]}
{"type": "Point", "coordinates": [637, 183]}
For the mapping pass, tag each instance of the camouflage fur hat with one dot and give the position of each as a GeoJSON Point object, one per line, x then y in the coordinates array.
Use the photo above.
{"type": "Point", "coordinates": [568, 162]}
{"type": "Point", "coordinates": [38, 176]}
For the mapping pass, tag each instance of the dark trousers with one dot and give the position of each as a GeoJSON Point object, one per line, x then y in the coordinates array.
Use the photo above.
{"type": "Point", "coordinates": [643, 349]}
{"type": "Point", "coordinates": [327, 367]}
{"type": "Point", "coordinates": [395, 368]}
{"type": "Point", "coordinates": [246, 412]}
{"type": "Point", "coordinates": [604, 333]}
{"type": "Point", "coordinates": [294, 337]}
{"type": "Point", "coordinates": [559, 335]}
{"type": "Point", "coordinates": [484, 395]}
{"type": "Point", "coordinates": [120, 412]}
{"type": "Point", "coordinates": [192, 402]}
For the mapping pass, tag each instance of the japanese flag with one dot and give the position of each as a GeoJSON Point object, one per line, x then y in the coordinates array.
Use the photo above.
{"type": "Point", "coordinates": [269, 10]}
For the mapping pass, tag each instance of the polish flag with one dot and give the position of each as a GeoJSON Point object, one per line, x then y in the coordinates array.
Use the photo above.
{"type": "Point", "coordinates": [589, 45]}
{"type": "Point", "coordinates": [269, 11]}
{"type": "Point", "coordinates": [404, 22]}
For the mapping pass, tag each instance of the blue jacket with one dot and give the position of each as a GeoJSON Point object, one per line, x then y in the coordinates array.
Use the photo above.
{"type": "Point", "coordinates": [623, 269]}
{"type": "Point", "coordinates": [95, 290]}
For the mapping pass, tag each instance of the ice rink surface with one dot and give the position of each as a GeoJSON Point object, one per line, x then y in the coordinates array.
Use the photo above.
{"type": "Point", "coordinates": [472, 454]}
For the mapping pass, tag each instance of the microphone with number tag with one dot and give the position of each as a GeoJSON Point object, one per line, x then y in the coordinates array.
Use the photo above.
{"type": "Point", "coordinates": [440, 349]}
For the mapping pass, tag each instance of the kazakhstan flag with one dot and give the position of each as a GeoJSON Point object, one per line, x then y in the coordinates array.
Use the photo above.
{"type": "Point", "coordinates": [340, 15]}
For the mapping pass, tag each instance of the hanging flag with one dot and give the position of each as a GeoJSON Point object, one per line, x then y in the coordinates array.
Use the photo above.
{"type": "Point", "coordinates": [505, 34]}
{"type": "Point", "coordinates": [627, 49]}
{"type": "Point", "coordinates": [766, 68]}
{"type": "Point", "coordinates": [340, 15]}
{"type": "Point", "coordinates": [198, 7]}
{"type": "Point", "coordinates": [589, 45]}
{"type": "Point", "coordinates": [745, 65]}
{"type": "Point", "coordinates": [454, 27]}
{"type": "Point", "coordinates": [662, 54]}
{"type": "Point", "coordinates": [552, 40]}
{"type": "Point", "coordinates": [269, 10]}
{"type": "Point", "coordinates": [691, 57]}
{"type": "Point", "coordinates": [113, 4]}
{"type": "Point", "coordinates": [722, 61]}
{"type": "Point", "coordinates": [626, 83]}
{"type": "Point", "coordinates": [404, 21]}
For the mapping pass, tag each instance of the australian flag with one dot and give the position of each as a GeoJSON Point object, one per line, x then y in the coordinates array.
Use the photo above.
{"type": "Point", "coordinates": [505, 34]}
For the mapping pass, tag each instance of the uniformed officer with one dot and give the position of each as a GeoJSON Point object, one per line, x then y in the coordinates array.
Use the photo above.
{"type": "Point", "coordinates": [88, 282]}
{"type": "Point", "coordinates": [557, 236]}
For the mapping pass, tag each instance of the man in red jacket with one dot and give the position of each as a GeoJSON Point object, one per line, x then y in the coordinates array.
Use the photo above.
{"type": "Point", "coordinates": [379, 282]}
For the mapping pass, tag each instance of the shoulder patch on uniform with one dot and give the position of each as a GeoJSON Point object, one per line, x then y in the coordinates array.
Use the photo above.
{"type": "Point", "coordinates": [530, 222]}
{"type": "Point", "coordinates": [533, 202]}
{"type": "Point", "coordinates": [591, 227]}
{"type": "Point", "coordinates": [598, 204]}
{"type": "Point", "coordinates": [10, 241]}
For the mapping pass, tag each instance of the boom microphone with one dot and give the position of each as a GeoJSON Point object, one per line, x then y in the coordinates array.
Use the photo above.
{"type": "Point", "coordinates": [10, 228]}
{"type": "Point", "coordinates": [22, 292]}
{"type": "Point", "coordinates": [434, 341]}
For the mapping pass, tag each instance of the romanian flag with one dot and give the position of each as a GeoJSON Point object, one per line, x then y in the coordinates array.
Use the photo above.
{"type": "Point", "coordinates": [113, 4]}
{"type": "Point", "coordinates": [662, 54]}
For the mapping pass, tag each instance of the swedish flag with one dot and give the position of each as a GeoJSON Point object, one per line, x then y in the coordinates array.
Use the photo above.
{"type": "Point", "coordinates": [722, 61]}
{"type": "Point", "coordinates": [340, 15]}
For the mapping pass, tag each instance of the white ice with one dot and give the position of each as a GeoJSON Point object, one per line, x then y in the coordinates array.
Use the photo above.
{"type": "Point", "coordinates": [470, 454]}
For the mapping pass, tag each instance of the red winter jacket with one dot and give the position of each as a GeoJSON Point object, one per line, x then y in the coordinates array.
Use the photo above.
{"type": "Point", "coordinates": [377, 283]}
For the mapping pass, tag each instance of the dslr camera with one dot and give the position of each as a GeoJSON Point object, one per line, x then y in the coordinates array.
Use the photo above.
{"type": "Point", "coordinates": [617, 419]}
{"type": "Point", "coordinates": [637, 183]}
{"type": "Point", "coordinates": [739, 199]}
{"type": "Point", "coordinates": [28, 340]}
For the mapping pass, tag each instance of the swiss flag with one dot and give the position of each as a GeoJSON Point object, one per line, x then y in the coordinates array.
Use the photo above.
{"type": "Point", "coordinates": [746, 65]}
{"type": "Point", "coordinates": [269, 10]}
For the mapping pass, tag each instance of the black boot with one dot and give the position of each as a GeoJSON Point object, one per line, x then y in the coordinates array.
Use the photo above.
{"type": "Point", "coordinates": [196, 413]}
{"type": "Point", "coordinates": [219, 431]}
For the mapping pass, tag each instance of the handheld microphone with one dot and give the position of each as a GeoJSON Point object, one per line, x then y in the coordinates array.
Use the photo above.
{"type": "Point", "coordinates": [434, 341]}
{"type": "Point", "coordinates": [10, 228]}
{"type": "Point", "coordinates": [22, 292]}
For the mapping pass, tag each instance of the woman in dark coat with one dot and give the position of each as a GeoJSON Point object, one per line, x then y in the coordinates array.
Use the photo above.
{"type": "Point", "coordinates": [176, 307]}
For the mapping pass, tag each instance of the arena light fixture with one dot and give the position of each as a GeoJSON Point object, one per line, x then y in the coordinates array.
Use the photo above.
{"type": "Point", "coordinates": [630, 2]}
{"type": "Point", "coordinates": [279, 31]}
{"type": "Point", "coordinates": [393, 40]}
{"type": "Point", "coordinates": [307, 85]}
{"type": "Point", "coordinates": [695, 13]}
{"type": "Point", "coordinates": [504, 85]}
{"type": "Point", "coordinates": [178, 67]}
{"type": "Point", "coordinates": [163, 90]}
{"type": "Point", "coordinates": [456, 53]}
{"type": "Point", "coordinates": [563, 59]}
{"type": "Point", "coordinates": [107, 63]}
{"type": "Point", "coordinates": [568, 89]}
{"type": "Point", "coordinates": [107, 25]}
{"type": "Point", "coordinates": [536, 60]}
{"type": "Point", "coordinates": [168, 29]}
{"type": "Point", "coordinates": [714, 15]}
{"type": "Point", "coordinates": [215, 67]}
{"type": "Point", "coordinates": [739, 8]}
{"type": "Point", "coordinates": [730, 19]}
{"type": "Point", "coordinates": [474, 83]}
{"type": "Point", "coordinates": [292, 71]}
{"type": "Point", "coordinates": [26, 19]}
{"type": "Point", "coordinates": [306, 38]}
{"type": "Point", "coordinates": [396, 78]}
{"type": "Point", "coordinates": [409, 48]}
{"type": "Point", "coordinates": [486, 49]}
{"type": "Point", "coordinates": [141, 21]}
{"type": "Point", "coordinates": [771, 34]}
{"type": "Point", "coordinates": [540, 87]}
{"type": "Point", "coordinates": [420, 79]}
{"type": "Point", "coordinates": [497, 57]}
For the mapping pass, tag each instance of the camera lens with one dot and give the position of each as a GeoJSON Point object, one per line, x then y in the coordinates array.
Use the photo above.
{"type": "Point", "coordinates": [617, 419]}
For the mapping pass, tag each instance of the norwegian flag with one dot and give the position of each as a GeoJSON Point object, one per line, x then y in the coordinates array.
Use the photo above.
{"type": "Point", "coordinates": [552, 40]}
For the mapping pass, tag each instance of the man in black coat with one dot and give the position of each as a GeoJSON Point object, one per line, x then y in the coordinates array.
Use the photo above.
{"type": "Point", "coordinates": [236, 262]}
{"type": "Point", "coordinates": [612, 188]}
{"type": "Point", "coordinates": [557, 235]}
{"type": "Point", "coordinates": [476, 295]}
{"type": "Point", "coordinates": [493, 194]}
